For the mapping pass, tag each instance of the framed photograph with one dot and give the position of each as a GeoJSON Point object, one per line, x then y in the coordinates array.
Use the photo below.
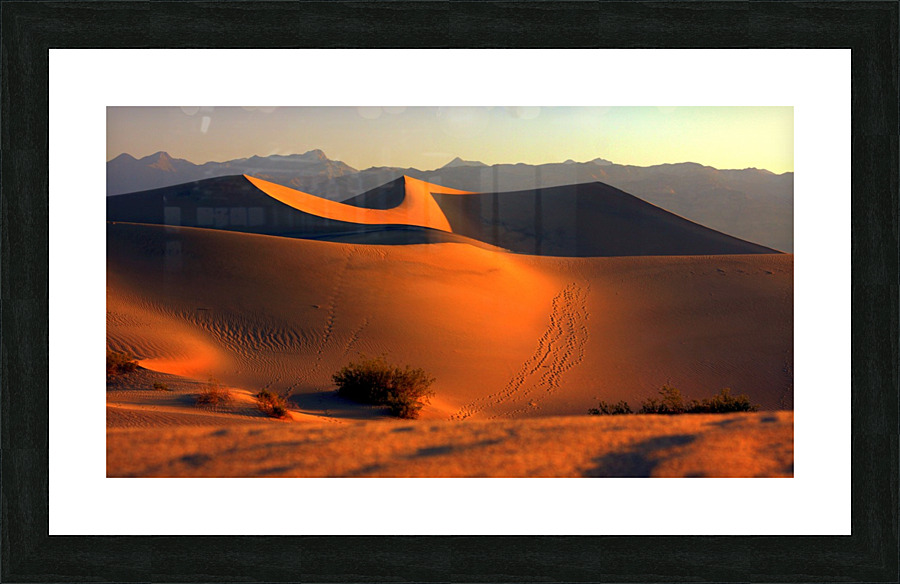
{"type": "Point", "coordinates": [532, 299]}
{"type": "Point", "coordinates": [465, 291]}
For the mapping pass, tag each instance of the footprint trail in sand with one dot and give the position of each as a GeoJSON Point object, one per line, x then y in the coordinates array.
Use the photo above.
{"type": "Point", "coordinates": [559, 349]}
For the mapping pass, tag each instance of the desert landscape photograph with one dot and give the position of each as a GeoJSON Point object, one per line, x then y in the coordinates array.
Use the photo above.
{"type": "Point", "coordinates": [450, 292]}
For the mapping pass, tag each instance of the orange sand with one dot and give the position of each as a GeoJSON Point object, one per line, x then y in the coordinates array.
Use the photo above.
{"type": "Point", "coordinates": [418, 207]}
{"type": "Point", "coordinates": [521, 347]}
{"type": "Point", "coordinates": [735, 445]}
{"type": "Point", "coordinates": [505, 335]}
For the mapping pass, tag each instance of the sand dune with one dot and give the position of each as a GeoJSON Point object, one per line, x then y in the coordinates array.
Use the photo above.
{"type": "Point", "coordinates": [736, 445]}
{"type": "Point", "coordinates": [405, 201]}
{"type": "Point", "coordinates": [252, 205]}
{"type": "Point", "coordinates": [505, 335]}
{"type": "Point", "coordinates": [602, 297]}
{"type": "Point", "coordinates": [590, 219]}
{"type": "Point", "coordinates": [584, 220]}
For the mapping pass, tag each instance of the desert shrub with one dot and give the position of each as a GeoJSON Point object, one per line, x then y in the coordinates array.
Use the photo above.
{"type": "Point", "coordinates": [271, 404]}
{"type": "Point", "coordinates": [214, 393]}
{"type": "Point", "coordinates": [670, 402]}
{"type": "Point", "coordinates": [118, 363]}
{"type": "Point", "coordinates": [722, 403]}
{"type": "Point", "coordinates": [374, 381]}
{"type": "Point", "coordinates": [403, 407]}
{"type": "Point", "coordinates": [605, 409]}
{"type": "Point", "coordinates": [160, 386]}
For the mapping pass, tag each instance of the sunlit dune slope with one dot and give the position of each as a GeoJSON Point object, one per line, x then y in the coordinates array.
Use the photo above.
{"type": "Point", "coordinates": [405, 201]}
{"type": "Point", "coordinates": [505, 335]}
{"type": "Point", "coordinates": [401, 212]}
{"type": "Point", "coordinates": [251, 205]}
{"type": "Point", "coordinates": [142, 324]}
{"type": "Point", "coordinates": [590, 219]}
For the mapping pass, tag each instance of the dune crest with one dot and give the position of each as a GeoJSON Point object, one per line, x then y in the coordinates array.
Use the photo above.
{"type": "Point", "coordinates": [417, 208]}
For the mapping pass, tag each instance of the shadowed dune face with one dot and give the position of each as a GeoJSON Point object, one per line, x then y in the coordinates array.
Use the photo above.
{"type": "Point", "coordinates": [590, 219]}
{"type": "Point", "coordinates": [231, 203]}
{"type": "Point", "coordinates": [584, 220]}
{"type": "Point", "coordinates": [505, 335]}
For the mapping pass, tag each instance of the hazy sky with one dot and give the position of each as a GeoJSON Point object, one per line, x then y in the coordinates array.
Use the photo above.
{"type": "Point", "coordinates": [429, 137]}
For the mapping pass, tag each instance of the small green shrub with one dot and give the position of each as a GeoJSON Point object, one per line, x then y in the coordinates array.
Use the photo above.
{"type": "Point", "coordinates": [374, 381]}
{"type": "Point", "coordinates": [214, 393]}
{"type": "Point", "coordinates": [722, 403]}
{"type": "Point", "coordinates": [670, 402]}
{"type": "Point", "coordinates": [605, 409]}
{"type": "Point", "coordinates": [160, 386]}
{"type": "Point", "coordinates": [119, 363]}
{"type": "Point", "coordinates": [271, 404]}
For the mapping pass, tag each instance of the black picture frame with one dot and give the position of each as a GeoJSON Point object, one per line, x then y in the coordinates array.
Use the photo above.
{"type": "Point", "coordinates": [29, 29]}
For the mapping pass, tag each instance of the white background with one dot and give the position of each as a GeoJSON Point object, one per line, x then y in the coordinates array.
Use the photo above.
{"type": "Point", "coordinates": [84, 82]}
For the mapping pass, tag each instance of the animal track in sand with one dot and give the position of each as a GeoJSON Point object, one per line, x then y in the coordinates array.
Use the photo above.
{"type": "Point", "coordinates": [354, 338]}
{"type": "Point", "coordinates": [559, 349]}
{"type": "Point", "coordinates": [331, 304]}
{"type": "Point", "coordinates": [336, 291]}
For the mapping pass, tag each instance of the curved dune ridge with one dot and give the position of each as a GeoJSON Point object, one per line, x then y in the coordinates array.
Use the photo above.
{"type": "Point", "coordinates": [415, 208]}
{"type": "Point", "coordinates": [581, 220]}
{"type": "Point", "coordinates": [239, 203]}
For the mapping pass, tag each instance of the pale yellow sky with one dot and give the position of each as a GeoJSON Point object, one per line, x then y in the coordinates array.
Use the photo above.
{"type": "Point", "coordinates": [428, 137]}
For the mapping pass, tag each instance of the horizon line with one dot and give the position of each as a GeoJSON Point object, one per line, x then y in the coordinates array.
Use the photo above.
{"type": "Point", "coordinates": [568, 160]}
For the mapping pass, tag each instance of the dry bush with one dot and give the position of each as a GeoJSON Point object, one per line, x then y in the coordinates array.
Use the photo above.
{"type": "Point", "coordinates": [374, 381]}
{"type": "Point", "coordinates": [119, 363]}
{"type": "Point", "coordinates": [214, 393]}
{"type": "Point", "coordinates": [271, 404]}
{"type": "Point", "coordinates": [605, 409]}
{"type": "Point", "coordinates": [671, 402]}
{"type": "Point", "coordinates": [723, 403]}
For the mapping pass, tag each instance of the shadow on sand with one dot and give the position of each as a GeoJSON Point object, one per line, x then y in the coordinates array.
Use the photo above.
{"type": "Point", "coordinates": [639, 460]}
{"type": "Point", "coordinates": [451, 448]}
{"type": "Point", "coordinates": [329, 404]}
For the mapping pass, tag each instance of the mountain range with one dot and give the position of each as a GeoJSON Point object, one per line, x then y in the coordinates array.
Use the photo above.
{"type": "Point", "coordinates": [752, 204]}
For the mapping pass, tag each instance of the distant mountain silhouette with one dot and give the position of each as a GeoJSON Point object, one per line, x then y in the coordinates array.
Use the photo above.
{"type": "Point", "coordinates": [126, 174]}
{"type": "Point", "coordinates": [460, 162]}
{"type": "Point", "coordinates": [751, 204]}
